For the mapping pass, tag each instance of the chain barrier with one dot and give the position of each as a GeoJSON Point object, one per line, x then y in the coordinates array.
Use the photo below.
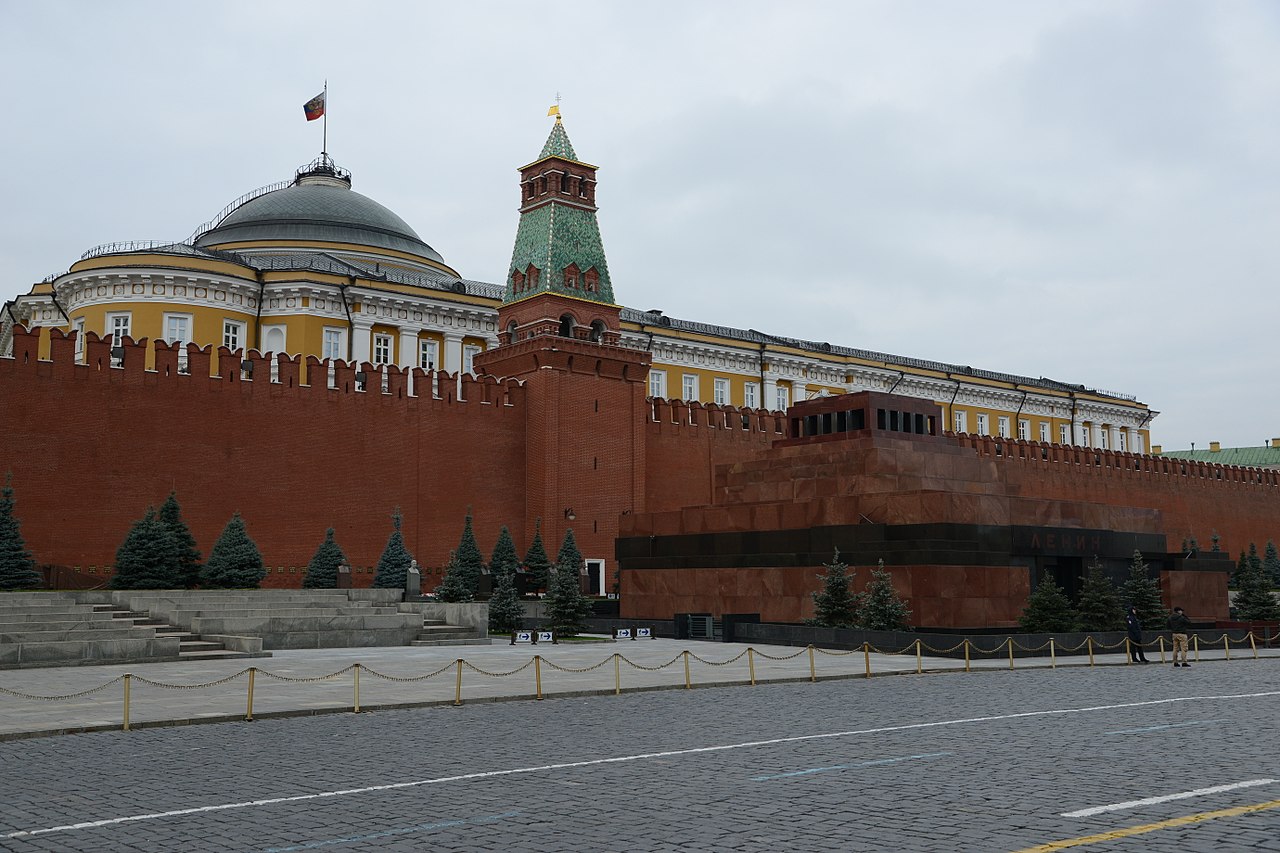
{"type": "Point", "coordinates": [20, 695]}
{"type": "Point", "coordinates": [527, 664]}
{"type": "Point", "coordinates": [914, 649]}
{"type": "Point", "coordinates": [138, 679]}
{"type": "Point", "coordinates": [739, 656]}
{"type": "Point", "coordinates": [308, 679]}
{"type": "Point", "coordinates": [406, 679]}
{"type": "Point", "coordinates": [641, 666]}
{"type": "Point", "coordinates": [775, 657]}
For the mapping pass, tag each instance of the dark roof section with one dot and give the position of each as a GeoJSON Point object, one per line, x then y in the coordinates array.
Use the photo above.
{"type": "Point", "coordinates": [657, 318]}
{"type": "Point", "coordinates": [328, 211]}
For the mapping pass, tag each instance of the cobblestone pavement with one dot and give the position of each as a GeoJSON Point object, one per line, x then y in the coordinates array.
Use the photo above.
{"type": "Point", "coordinates": [991, 761]}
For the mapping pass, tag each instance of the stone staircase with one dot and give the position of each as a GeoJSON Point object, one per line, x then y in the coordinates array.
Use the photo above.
{"type": "Point", "coordinates": [436, 632]}
{"type": "Point", "coordinates": [57, 629]}
{"type": "Point", "coordinates": [190, 646]}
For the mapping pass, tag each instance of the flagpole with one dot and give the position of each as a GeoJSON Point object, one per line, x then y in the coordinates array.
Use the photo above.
{"type": "Point", "coordinates": [324, 148]}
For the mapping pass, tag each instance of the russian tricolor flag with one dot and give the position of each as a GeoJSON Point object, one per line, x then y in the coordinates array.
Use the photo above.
{"type": "Point", "coordinates": [314, 108]}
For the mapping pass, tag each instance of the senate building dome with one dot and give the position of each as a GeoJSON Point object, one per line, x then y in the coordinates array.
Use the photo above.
{"type": "Point", "coordinates": [319, 207]}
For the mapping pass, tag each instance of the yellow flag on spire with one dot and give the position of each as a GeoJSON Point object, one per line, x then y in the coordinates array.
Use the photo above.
{"type": "Point", "coordinates": [554, 111]}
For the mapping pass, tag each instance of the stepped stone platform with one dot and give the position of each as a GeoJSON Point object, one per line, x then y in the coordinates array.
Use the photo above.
{"type": "Point", "coordinates": [120, 626]}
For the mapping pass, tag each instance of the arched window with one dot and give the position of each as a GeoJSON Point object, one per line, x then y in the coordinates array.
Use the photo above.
{"type": "Point", "coordinates": [531, 277]}
{"type": "Point", "coordinates": [597, 331]}
{"type": "Point", "coordinates": [571, 276]}
{"type": "Point", "coordinates": [591, 280]}
{"type": "Point", "coordinates": [511, 330]}
{"type": "Point", "coordinates": [517, 281]}
{"type": "Point", "coordinates": [566, 326]}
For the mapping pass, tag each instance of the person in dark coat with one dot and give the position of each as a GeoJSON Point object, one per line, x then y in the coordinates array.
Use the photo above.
{"type": "Point", "coordinates": [1134, 625]}
{"type": "Point", "coordinates": [1180, 626]}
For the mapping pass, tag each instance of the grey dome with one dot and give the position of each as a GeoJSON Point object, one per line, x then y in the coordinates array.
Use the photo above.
{"type": "Point", "coordinates": [318, 209]}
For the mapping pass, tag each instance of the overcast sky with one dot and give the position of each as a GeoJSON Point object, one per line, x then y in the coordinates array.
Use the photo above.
{"type": "Point", "coordinates": [1083, 191]}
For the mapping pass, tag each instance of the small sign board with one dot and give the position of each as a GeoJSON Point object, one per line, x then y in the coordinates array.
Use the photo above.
{"type": "Point", "coordinates": [644, 634]}
{"type": "Point", "coordinates": [622, 634]}
{"type": "Point", "coordinates": [545, 637]}
{"type": "Point", "coordinates": [522, 637]}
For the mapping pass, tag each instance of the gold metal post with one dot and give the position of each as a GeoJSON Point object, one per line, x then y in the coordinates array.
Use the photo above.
{"type": "Point", "coordinates": [1161, 649]}
{"type": "Point", "coordinates": [1011, 653]}
{"type": "Point", "coordinates": [127, 679]}
{"type": "Point", "coordinates": [966, 654]}
{"type": "Point", "coordinates": [866, 656]}
{"type": "Point", "coordinates": [457, 690]}
{"type": "Point", "coordinates": [813, 671]}
{"type": "Point", "coordinates": [617, 675]}
{"type": "Point", "coordinates": [1195, 641]}
{"type": "Point", "coordinates": [1253, 645]}
{"type": "Point", "coordinates": [248, 712]}
{"type": "Point", "coordinates": [1128, 651]}
{"type": "Point", "coordinates": [1053, 655]}
{"type": "Point", "coordinates": [751, 664]}
{"type": "Point", "coordinates": [1226, 646]}
{"type": "Point", "coordinates": [356, 708]}
{"type": "Point", "coordinates": [1089, 642]}
{"type": "Point", "coordinates": [687, 683]}
{"type": "Point", "coordinates": [919, 659]}
{"type": "Point", "coordinates": [537, 674]}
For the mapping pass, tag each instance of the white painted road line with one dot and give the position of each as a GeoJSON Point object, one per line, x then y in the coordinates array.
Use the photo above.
{"type": "Point", "coordinates": [1185, 795]}
{"type": "Point", "coordinates": [1145, 729]}
{"type": "Point", "coordinates": [645, 756]}
{"type": "Point", "coordinates": [879, 762]}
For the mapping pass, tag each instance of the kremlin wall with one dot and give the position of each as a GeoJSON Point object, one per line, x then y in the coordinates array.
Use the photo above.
{"type": "Point", "coordinates": [390, 382]}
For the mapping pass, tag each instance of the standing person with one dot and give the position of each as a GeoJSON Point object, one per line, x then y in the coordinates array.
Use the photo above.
{"type": "Point", "coordinates": [1179, 624]}
{"type": "Point", "coordinates": [1134, 625]}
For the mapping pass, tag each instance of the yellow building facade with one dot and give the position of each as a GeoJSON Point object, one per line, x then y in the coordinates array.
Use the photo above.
{"type": "Point", "coordinates": [310, 267]}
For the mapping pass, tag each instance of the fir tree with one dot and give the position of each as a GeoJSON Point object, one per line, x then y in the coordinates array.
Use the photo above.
{"type": "Point", "coordinates": [1048, 609]}
{"type": "Point", "coordinates": [536, 562]}
{"type": "Point", "coordinates": [1143, 592]}
{"type": "Point", "coordinates": [1254, 601]}
{"type": "Point", "coordinates": [393, 565]}
{"type": "Point", "coordinates": [505, 610]}
{"type": "Point", "coordinates": [17, 567]}
{"type": "Point", "coordinates": [1099, 605]}
{"type": "Point", "coordinates": [453, 587]}
{"type": "Point", "coordinates": [183, 541]}
{"type": "Point", "coordinates": [1271, 564]}
{"type": "Point", "coordinates": [470, 562]}
{"type": "Point", "coordinates": [1242, 568]}
{"type": "Point", "coordinates": [148, 557]}
{"type": "Point", "coordinates": [882, 609]}
{"type": "Point", "coordinates": [322, 571]}
{"type": "Point", "coordinates": [836, 605]}
{"type": "Point", "coordinates": [567, 607]}
{"type": "Point", "coordinates": [234, 562]}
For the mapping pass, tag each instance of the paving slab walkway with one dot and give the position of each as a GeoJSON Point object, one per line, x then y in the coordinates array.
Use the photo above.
{"type": "Point", "coordinates": [325, 680]}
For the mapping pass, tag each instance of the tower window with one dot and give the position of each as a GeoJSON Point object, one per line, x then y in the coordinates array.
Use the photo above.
{"type": "Point", "coordinates": [517, 282]}
{"type": "Point", "coordinates": [597, 331]}
{"type": "Point", "coordinates": [566, 326]}
{"type": "Point", "coordinates": [531, 277]}
{"type": "Point", "coordinates": [571, 276]}
{"type": "Point", "coordinates": [591, 280]}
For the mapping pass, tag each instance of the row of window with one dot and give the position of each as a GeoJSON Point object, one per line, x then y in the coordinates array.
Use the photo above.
{"type": "Point", "coordinates": [1083, 437]}
{"type": "Point", "coordinates": [572, 277]}
{"type": "Point", "coordinates": [720, 390]}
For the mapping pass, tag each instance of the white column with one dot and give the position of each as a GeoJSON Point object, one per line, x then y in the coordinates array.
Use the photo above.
{"type": "Point", "coordinates": [769, 398]}
{"type": "Point", "coordinates": [799, 391]}
{"type": "Point", "coordinates": [361, 341]}
{"type": "Point", "coordinates": [408, 347]}
{"type": "Point", "coordinates": [1095, 437]}
{"type": "Point", "coordinates": [452, 355]}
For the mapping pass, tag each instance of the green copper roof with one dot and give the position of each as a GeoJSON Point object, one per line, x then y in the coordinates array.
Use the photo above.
{"type": "Point", "coordinates": [551, 238]}
{"type": "Point", "coordinates": [1251, 457]}
{"type": "Point", "coordinates": [558, 144]}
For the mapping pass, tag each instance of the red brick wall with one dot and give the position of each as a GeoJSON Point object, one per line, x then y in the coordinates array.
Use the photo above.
{"type": "Point", "coordinates": [90, 449]}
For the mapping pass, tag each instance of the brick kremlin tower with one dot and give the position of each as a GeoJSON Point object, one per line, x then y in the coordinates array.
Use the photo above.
{"type": "Point", "coordinates": [559, 334]}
